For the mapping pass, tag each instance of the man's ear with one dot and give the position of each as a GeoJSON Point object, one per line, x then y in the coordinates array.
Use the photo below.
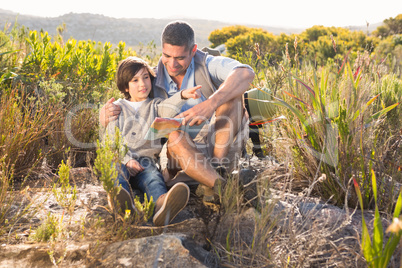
{"type": "Point", "coordinates": [194, 49]}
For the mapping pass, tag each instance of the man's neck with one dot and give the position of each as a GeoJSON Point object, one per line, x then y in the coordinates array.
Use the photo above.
{"type": "Point", "coordinates": [178, 80]}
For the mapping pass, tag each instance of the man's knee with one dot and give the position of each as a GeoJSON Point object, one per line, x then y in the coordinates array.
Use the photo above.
{"type": "Point", "coordinates": [234, 103]}
{"type": "Point", "coordinates": [232, 109]}
{"type": "Point", "coordinates": [175, 139]}
{"type": "Point", "coordinates": [175, 136]}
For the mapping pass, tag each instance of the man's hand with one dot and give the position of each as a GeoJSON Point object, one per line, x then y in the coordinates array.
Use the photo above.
{"type": "Point", "coordinates": [191, 93]}
{"type": "Point", "coordinates": [198, 114]}
{"type": "Point", "coordinates": [109, 112]}
{"type": "Point", "coordinates": [134, 167]}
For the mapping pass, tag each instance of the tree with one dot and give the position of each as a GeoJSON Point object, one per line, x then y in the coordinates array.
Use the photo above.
{"type": "Point", "coordinates": [221, 36]}
{"type": "Point", "coordinates": [246, 42]}
{"type": "Point", "coordinates": [312, 34]}
{"type": "Point", "coordinates": [391, 26]}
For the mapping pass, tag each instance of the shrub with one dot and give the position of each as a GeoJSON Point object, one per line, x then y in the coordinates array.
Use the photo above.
{"type": "Point", "coordinates": [49, 230]}
{"type": "Point", "coordinates": [65, 195]}
{"type": "Point", "coordinates": [221, 36]}
{"type": "Point", "coordinates": [25, 126]}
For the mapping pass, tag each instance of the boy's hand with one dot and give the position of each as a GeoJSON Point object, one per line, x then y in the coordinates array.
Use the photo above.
{"type": "Point", "coordinates": [109, 112]}
{"type": "Point", "coordinates": [191, 93]}
{"type": "Point", "coordinates": [134, 167]}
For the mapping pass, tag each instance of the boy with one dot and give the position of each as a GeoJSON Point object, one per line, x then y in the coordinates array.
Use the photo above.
{"type": "Point", "coordinates": [138, 169]}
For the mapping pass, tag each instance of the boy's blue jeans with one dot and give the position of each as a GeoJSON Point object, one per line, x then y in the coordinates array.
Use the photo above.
{"type": "Point", "coordinates": [149, 181]}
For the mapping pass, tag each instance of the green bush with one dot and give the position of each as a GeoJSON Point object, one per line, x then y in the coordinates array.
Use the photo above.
{"type": "Point", "coordinates": [63, 78]}
{"type": "Point", "coordinates": [49, 230]}
{"type": "Point", "coordinates": [221, 36]}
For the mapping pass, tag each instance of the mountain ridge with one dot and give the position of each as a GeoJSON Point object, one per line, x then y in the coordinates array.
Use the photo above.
{"type": "Point", "coordinates": [132, 31]}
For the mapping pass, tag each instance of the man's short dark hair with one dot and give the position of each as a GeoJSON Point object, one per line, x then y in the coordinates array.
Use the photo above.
{"type": "Point", "coordinates": [178, 33]}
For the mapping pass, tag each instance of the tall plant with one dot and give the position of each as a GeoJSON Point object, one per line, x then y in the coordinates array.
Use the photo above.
{"type": "Point", "coordinates": [25, 124]}
{"type": "Point", "coordinates": [332, 119]}
{"type": "Point", "coordinates": [109, 155]}
{"type": "Point", "coordinates": [376, 254]}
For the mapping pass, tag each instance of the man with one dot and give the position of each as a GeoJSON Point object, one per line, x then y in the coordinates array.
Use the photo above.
{"type": "Point", "coordinates": [207, 147]}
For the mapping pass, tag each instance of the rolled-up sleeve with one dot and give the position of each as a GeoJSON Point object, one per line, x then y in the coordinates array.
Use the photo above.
{"type": "Point", "coordinates": [220, 67]}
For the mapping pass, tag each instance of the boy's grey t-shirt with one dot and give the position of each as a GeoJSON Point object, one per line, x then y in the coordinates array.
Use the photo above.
{"type": "Point", "coordinates": [133, 125]}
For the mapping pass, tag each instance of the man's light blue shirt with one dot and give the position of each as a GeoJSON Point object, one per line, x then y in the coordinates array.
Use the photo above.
{"type": "Point", "coordinates": [218, 67]}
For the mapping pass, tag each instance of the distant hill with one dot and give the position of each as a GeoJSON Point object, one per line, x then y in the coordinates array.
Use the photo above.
{"type": "Point", "coordinates": [129, 30]}
{"type": "Point", "coordinates": [106, 29]}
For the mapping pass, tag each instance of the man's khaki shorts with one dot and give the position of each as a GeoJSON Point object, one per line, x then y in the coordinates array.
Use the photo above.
{"type": "Point", "coordinates": [205, 141]}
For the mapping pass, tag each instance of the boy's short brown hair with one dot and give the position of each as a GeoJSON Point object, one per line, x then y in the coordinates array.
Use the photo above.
{"type": "Point", "coordinates": [127, 69]}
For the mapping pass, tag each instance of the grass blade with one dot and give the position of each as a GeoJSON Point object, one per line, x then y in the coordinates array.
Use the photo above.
{"type": "Point", "coordinates": [296, 98]}
{"type": "Point", "coordinates": [378, 233]}
{"type": "Point", "coordinates": [366, 241]}
{"type": "Point", "coordinates": [398, 206]}
{"type": "Point", "coordinates": [383, 111]}
{"type": "Point", "coordinates": [389, 249]}
{"type": "Point", "coordinates": [371, 101]}
{"type": "Point", "coordinates": [306, 86]}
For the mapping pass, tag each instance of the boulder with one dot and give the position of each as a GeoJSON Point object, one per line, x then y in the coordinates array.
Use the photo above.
{"type": "Point", "coordinates": [164, 250]}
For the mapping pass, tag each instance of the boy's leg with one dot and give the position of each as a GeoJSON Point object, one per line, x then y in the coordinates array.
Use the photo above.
{"type": "Point", "coordinates": [167, 203]}
{"type": "Point", "coordinates": [149, 181]}
{"type": "Point", "coordinates": [125, 196]}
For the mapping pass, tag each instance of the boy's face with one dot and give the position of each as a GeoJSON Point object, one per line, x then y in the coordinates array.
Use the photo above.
{"type": "Point", "coordinates": [140, 86]}
{"type": "Point", "coordinates": [177, 59]}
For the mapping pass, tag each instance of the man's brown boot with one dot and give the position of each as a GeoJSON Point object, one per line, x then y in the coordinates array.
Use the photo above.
{"type": "Point", "coordinates": [211, 195]}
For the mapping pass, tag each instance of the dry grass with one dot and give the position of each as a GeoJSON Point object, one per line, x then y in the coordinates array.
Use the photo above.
{"type": "Point", "coordinates": [287, 229]}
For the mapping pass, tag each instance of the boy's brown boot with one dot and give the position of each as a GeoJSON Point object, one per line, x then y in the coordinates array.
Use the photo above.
{"type": "Point", "coordinates": [125, 199]}
{"type": "Point", "coordinates": [170, 204]}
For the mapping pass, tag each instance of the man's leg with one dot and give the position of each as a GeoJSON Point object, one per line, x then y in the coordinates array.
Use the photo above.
{"type": "Point", "coordinates": [254, 134]}
{"type": "Point", "coordinates": [182, 153]}
{"type": "Point", "coordinates": [228, 119]}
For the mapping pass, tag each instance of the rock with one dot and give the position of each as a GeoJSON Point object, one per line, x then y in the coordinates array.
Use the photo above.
{"type": "Point", "coordinates": [156, 251]}
{"type": "Point", "coordinates": [293, 225]}
{"type": "Point", "coordinates": [247, 179]}
{"type": "Point", "coordinates": [82, 176]}
{"type": "Point", "coordinates": [237, 227]}
{"type": "Point", "coordinates": [37, 255]}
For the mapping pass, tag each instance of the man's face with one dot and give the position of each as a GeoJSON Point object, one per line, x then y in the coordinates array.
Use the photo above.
{"type": "Point", "coordinates": [176, 59]}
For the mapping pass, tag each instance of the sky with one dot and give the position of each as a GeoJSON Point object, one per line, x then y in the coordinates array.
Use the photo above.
{"type": "Point", "coordinates": [275, 13]}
